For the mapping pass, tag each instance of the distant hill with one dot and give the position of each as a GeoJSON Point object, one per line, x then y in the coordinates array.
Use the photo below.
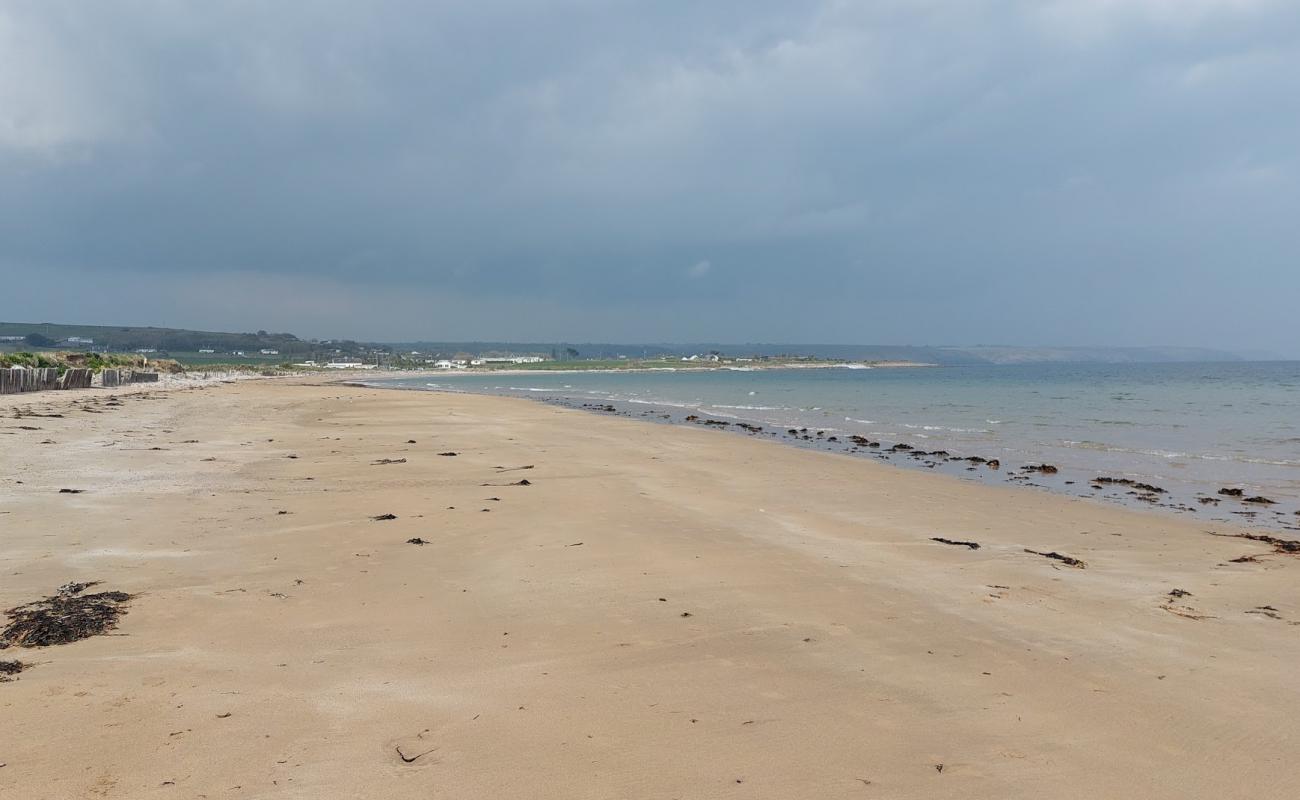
{"type": "Point", "coordinates": [112, 338]}
{"type": "Point", "coordinates": [123, 339]}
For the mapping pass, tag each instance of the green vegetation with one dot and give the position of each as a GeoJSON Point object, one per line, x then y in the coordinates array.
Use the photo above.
{"type": "Point", "coordinates": [95, 361]}
{"type": "Point", "coordinates": [166, 342]}
{"type": "Point", "coordinates": [596, 364]}
{"type": "Point", "coordinates": [24, 359]}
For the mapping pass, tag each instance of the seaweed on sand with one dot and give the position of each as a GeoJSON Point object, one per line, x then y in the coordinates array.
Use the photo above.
{"type": "Point", "coordinates": [67, 616]}
{"type": "Point", "coordinates": [10, 668]}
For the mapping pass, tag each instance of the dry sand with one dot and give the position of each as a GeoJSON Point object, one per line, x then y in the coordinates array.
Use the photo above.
{"type": "Point", "coordinates": [665, 612]}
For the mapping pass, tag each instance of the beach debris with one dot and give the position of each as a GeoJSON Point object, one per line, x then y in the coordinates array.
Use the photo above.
{"type": "Point", "coordinates": [448, 453]}
{"type": "Point", "coordinates": [1142, 487]}
{"type": "Point", "coordinates": [941, 540]}
{"type": "Point", "coordinates": [1267, 611]}
{"type": "Point", "coordinates": [389, 461]}
{"type": "Point", "coordinates": [899, 448]}
{"type": "Point", "coordinates": [575, 544]}
{"type": "Point", "coordinates": [1258, 500]}
{"type": "Point", "coordinates": [8, 669]}
{"type": "Point", "coordinates": [993, 463]}
{"type": "Point", "coordinates": [66, 616]}
{"type": "Point", "coordinates": [410, 441]}
{"type": "Point", "coordinates": [512, 469]}
{"type": "Point", "coordinates": [1179, 593]}
{"type": "Point", "coordinates": [416, 540]}
{"type": "Point", "coordinates": [411, 759]}
{"type": "Point", "coordinates": [522, 482]}
{"type": "Point", "coordinates": [71, 491]}
{"type": "Point", "coordinates": [1229, 492]}
{"type": "Point", "coordinates": [1064, 559]}
{"type": "Point", "coordinates": [1045, 469]}
{"type": "Point", "coordinates": [1244, 560]}
{"type": "Point", "coordinates": [383, 517]}
{"type": "Point", "coordinates": [1290, 546]}
{"type": "Point", "coordinates": [1184, 611]}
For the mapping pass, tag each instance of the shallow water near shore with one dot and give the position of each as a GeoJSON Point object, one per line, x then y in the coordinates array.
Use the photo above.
{"type": "Point", "coordinates": [1191, 429]}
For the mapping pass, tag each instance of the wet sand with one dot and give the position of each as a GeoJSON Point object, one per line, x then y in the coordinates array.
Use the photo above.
{"type": "Point", "coordinates": [660, 611]}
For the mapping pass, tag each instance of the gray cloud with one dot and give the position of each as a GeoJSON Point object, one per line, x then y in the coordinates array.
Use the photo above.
{"type": "Point", "coordinates": [1077, 171]}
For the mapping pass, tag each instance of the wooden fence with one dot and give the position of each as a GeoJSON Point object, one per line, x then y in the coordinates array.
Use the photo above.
{"type": "Point", "coordinates": [27, 380]}
{"type": "Point", "coordinates": [35, 379]}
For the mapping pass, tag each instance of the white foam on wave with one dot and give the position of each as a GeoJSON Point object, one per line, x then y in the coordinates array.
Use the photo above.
{"type": "Point", "coordinates": [668, 403]}
{"type": "Point", "coordinates": [750, 408]}
{"type": "Point", "coordinates": [914, 427]}
{"type": "Point", "coordinates": [1176, 454]}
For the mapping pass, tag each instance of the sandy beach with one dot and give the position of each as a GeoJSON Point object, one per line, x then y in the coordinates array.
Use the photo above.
{"type": "Point", "coordinates": [606, 608]}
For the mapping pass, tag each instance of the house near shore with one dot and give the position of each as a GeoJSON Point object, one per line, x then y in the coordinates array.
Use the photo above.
{"type": "Point", "coordinates": [485, 360]}
{"type": "Point", "coordinates": [266, 351]}
{"type": "Point", "coordinates": [348, 365]}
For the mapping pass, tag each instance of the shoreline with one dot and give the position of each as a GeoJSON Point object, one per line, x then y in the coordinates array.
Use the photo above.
{"type": "Point", "coordinates": [1113, 491]}
{"type": "Point", "coordinates": [479, 372]}
{"type": "Point", "coordinates": [602, 609]}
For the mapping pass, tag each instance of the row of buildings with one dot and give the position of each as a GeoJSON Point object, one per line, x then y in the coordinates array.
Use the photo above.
{"type": "Point", "coordinates": [465, 363]}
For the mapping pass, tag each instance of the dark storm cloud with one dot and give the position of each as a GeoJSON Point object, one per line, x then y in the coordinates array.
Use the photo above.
{"type": "Point", "coordinates": [1079, 171]}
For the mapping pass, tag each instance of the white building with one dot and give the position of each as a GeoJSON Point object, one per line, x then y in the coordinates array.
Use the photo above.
{"type": "Point", "coordinates": [206, 350]}
{"type": "Point", "coordinates": [348, 365]}
{"type": "Point", "coordinates": [478, 362]}
{"type": "Point", "coordinates": [269, 352]}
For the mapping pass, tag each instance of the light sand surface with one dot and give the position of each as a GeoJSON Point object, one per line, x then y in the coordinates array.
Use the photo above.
{"type": "Point", "coordinates": [665, 612]}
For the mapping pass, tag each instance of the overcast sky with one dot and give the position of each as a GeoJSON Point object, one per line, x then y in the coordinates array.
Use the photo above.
{"type": "Point", "coordinates": [896, 171]}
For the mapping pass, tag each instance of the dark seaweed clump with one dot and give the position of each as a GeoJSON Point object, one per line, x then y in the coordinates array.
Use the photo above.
{"type": "Point", "coordinates": [68, 616]}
